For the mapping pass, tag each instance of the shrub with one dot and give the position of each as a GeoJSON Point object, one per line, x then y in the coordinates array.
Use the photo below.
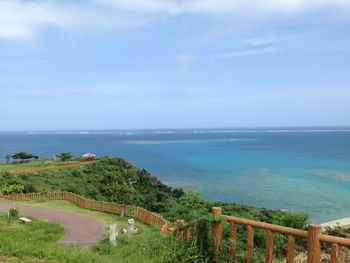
{"type": "Point", "coordinates": [12, 188]}
{"type": "Point", "coordinates": [65, 156]}
{"type": "Point", "coordinates": [339, 231]}
{"type": "Point", "coordinates": [13, 212]}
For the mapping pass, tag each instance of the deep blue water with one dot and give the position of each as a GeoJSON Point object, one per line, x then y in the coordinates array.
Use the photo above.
{"type": "Point", "coordinates": [299, 170]}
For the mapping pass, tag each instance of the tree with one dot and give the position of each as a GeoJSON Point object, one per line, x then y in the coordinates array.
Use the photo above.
{"type": "Point", "coordinates": [119, 188]}
{"type": "Point", "coordinates": [8, 157]}
{"type": "Point", "coordinates": [189, 207]}
{"type": "Point", "coordinates": [64, 156]}
{"type": "Point", "coordinates": [126, 191]}
{"type": "Point", "coordinates": [23, 156]}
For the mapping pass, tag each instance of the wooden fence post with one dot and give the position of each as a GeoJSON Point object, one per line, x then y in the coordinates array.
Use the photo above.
{"type": "Point", "coordinates": [335, 253]}
{"type": "Point", "coordinates": [313, 244]}
{"type": "Point", "coordinates": [217, 227]}
{"type": "Point", "coordinates": [179, 223]}
{"type": "Point", "coordinates": [250, 242]}
{"type": "Point", "coordinates": [233, 237]}
{"type": "Point", "coordinates": [269, 246]}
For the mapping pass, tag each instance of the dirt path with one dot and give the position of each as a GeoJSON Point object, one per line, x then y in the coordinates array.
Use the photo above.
{"type": "Point", "coordinates": [79, 229]}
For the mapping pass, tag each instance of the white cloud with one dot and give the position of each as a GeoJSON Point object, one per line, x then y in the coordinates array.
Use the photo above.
{"type": "Point", "coordinates": [225, 7]}
{"type": "Point", "coordinates": [23, 20]}
{"type": "Point", "coordinates": [269, 39]}
{"type": "Point", "coordinates": [20, 20]}
{"type": "Point", "coordinates": [248, 52]}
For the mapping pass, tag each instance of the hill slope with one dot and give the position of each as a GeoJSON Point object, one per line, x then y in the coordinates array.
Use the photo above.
{"type": "Point", "coordinates": [114, 179]}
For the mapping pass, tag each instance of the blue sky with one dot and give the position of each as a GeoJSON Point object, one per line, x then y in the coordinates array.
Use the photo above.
{"type": "Point", "coordinates": [104, 64]}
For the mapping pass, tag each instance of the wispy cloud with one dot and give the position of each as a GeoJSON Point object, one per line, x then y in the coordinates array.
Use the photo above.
{"type": "Point", "coordinates": [249, 52]}
{"type": "Point", "coordinates": [270, 39]}
{"type": "Point", "coordinates": [21, 20]}
{"type": "Point", "coordinates": [225, 7]}
{"type": "Point", "coordinates": [26, 20]}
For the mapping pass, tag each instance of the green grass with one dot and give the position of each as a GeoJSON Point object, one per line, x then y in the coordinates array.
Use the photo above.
{"type": "Point", "coordinates": [38, 166]}
{"type": "Point", "coordinates": [38, 240]}
{"type": "Point", "coordinates": [8, 259]}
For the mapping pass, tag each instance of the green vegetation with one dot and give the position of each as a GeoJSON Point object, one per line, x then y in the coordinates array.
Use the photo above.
{"type": "Point", "coordinates": [109, 179]}
{"type": "Point", "coordinates": [23, 156]}
{"type": "Point", "coordinates": [65, 156]}
{"type": "Point", "coordinates": [339, 231]}
{"type": "Point", "coordinates": [114, 179]}
{"type": "Point", "coordinates": [14, 212]}
{"type": "Point", "coordinates": [8, 157]}
{"type": "Point", "coordinates": [38, 241]}
{"type": "Point", "coordinates": [12, 188]}
{"type": "Point", "coordinates": [39, 166]}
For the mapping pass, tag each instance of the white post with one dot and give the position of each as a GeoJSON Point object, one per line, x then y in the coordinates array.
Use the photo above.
{"type": "Point", "coordinates": [113, 233]}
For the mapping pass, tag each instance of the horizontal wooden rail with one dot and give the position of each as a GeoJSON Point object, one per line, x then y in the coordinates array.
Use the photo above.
{"type": "Point", "coordinates": [190, 224]}
{"type": "Point", "coordinates": [335, 240]}
{"type": "Point", "coordinates": [313, 236]}
{"type": "Point", "coordinates": [109, 207]}
{"type": "Point", "coordinates": [267, 226]}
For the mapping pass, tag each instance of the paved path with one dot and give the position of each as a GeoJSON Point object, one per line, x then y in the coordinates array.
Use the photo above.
{"type": "Point", "coordinates": [79, 229]}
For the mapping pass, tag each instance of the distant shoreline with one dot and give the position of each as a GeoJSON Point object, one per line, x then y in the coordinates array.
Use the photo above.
{"type": "Point", "coordinates": [338, 222]}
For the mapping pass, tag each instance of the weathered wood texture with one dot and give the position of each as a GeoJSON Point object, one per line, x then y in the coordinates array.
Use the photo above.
{"type": "Point", "coordinates": [233, 237]}
{"type": "Point", "coordinates": [269, 246]}
{"type": "Point", "coordinates": [217, 227]}
{"type": "Point", "coordinates": [290, 249]}
{"type": "Point", "coordinates": [334, 253]}
{"type": "Point", "coordinates": [313, 244]}
{"type": "Point", "coordinates": [250, 242]}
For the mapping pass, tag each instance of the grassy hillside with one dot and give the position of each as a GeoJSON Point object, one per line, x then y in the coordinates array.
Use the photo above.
{"type": "Point", "coordinates": [108, 179]}
{"type": "Point", "coordinates": [39, 166]}
{"type": "Point", "coordinates": [114, 179]}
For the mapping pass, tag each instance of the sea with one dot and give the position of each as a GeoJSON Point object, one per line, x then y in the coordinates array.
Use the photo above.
{"type": "Point", "coordinates": [299, 169]}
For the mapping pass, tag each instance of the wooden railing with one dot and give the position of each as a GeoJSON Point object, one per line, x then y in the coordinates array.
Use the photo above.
{"type": "Point", "coordinates": [109, 207]}
{"type": "Point", "coordinates": [313, 236]}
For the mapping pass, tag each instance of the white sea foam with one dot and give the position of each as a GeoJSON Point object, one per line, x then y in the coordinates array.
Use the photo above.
{"type": "Point", "coordinates": [271, 131]}
{"type": "Point", "coordinates": [140, 132]}
{"type": "Point", "coordinates": [126, 133]}
{"type": "Point", "coordinates": [184, 141]}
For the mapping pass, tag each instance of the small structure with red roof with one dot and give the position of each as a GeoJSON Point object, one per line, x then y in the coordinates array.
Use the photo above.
{"type": "Point", "coordinates": [88, 156]}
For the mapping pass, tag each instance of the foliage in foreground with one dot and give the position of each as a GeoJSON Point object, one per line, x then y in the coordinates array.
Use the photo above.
{"type": "Point", "coordinates": [39, 240]}
{"type": "Point", "coordinates": [13, 212]}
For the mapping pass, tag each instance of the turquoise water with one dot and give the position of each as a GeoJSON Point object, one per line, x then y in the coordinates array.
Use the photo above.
{"type": "Point", "coordinates": [298, 170]}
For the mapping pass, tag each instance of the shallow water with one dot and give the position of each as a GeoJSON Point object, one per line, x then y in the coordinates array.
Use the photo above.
{"type": "Point", "coordinates": [299, 170]}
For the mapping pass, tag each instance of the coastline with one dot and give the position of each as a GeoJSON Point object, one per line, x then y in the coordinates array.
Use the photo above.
{"type": "Point", "coordinates": [338, 222]}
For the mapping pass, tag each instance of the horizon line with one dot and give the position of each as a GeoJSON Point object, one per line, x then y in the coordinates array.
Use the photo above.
{"type": "Point", "coordinates": [320, 127]}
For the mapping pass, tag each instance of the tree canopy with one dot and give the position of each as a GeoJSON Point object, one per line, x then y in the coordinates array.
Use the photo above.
{"type": "Point", "coordinates": [24, 156]}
